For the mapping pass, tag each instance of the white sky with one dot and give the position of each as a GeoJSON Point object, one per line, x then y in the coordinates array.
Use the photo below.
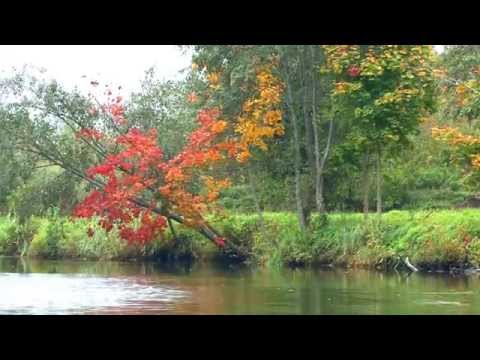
{"type": "Point", "coordinates": [118, 65]}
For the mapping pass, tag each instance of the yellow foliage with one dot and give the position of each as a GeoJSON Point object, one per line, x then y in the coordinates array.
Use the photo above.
{"type": "Point", "coordinates": [214, 80]}
{"type": "Point", "coordinates": [260, 119]}
{"type": "Point", "coordinates": [453, 136]}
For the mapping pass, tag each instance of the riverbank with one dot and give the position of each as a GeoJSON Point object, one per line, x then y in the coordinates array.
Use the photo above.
{"type": "Point", "coordinates": [431, 240]}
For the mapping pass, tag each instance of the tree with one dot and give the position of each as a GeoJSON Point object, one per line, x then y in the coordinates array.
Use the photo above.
{"type": "Point", "coordinates": [136, 187]}
{"type": "Point", "coordinates": [461, 63]}
{"type": "Point", "coordinates": [390, 88]}
{"type": "Point", "coordinates": [465, 142]}
{"type": "Point", "coordinates": [307, 115]}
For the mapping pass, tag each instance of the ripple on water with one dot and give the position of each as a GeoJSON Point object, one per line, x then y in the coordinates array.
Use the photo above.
{"type": "Point", "coordinates": [76, 294]}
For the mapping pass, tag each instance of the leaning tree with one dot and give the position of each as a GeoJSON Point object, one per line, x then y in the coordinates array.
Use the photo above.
{"type": "Point", "coordinates": [133, 184]}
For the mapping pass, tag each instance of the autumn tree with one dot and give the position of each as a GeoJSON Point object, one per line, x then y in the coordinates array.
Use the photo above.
{"type": "Point", "coordinates": [461, 83]}
{"type": "Point", "coordinates": [390, 88]}
{"type": "Point", "coordinates": [134, 185]}
{"type": "Point", "coordinates": [308, 117]}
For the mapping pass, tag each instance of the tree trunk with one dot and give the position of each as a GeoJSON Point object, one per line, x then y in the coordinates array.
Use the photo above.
{"type": "Point", "coordinates": [379, 183]}
{"type": "Point", "coordinates": [298, 156]}
{"type": "Point", "coordinates": [366, 184]}
{"type": "Point", "coordinates": [319, 162]}
{"type": "Point", "coordinates": [309, 137]}
{"type": "Point", "coordinates": [319, 201]}
{"type": "Point", "coordinates": [256, 200]}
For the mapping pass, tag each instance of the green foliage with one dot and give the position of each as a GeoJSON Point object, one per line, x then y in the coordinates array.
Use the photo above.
{"type": "Point", "coordinates": [8, 238]}
{"type": "Point", "coordinates": [428, 238]}
{"type": "Point", "coordinates": [47, 187]}
{"type": "Point", "coordinates": [431, 239]}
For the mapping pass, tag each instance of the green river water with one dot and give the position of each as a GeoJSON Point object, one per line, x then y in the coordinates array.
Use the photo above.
{"type": "Point", "coordinates": [81, 287]}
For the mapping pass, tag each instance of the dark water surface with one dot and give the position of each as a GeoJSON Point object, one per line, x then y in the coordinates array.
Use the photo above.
{"type": "Point", "coordinates": [79, 287]}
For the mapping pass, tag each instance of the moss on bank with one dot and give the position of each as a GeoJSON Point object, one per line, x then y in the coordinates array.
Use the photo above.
{"type": "Point", "coordinates": [433, 240]}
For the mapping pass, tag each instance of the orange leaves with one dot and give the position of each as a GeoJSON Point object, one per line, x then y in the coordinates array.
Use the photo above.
{"type": "Point", "coordinates": [243, 156]}
{"type": "Point", "coordinates": [192, 97]}
{"type": "Point", "coordinates": [455, 137]}
{"type": "Point", "coordinates": [213, 187]}
{"type": "Point", "coordinates": [174, 175]}
{"type": "Point", "coordinates": [219, 126]}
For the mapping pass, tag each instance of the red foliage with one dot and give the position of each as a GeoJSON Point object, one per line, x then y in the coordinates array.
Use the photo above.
{"type": "Point", "coordinates": [220, 241]}
{"type": "Point", "coordinates": [139, 167]}
{"type": "Point", "coordinates": [89, 133]}
{"type": "Point", "coordinates": [354, 71]}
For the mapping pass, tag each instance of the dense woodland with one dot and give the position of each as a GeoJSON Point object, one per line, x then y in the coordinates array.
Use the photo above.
{"type": "Point", "coordinates": [306, 130]}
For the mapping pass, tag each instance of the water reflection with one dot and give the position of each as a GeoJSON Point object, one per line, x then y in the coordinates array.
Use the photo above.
{"type": "Point", "coordinates": [78, 287]}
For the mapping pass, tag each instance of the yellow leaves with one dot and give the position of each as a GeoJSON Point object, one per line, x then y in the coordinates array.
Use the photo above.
{"type": "Point", "coordinates": [461, 89]}
{"type": "Point", "coordinates": [248, 105]}
{"type": "Point", "coordinates": [453, 136]}
{"type": "Point", "coordinates": [273, 117]}
{"type": "Point", "coordinates": [260, 118]}
{"type": "Point", "coordinates": [341, 88]}
{"type": "Point", "coordinates": [397, 96]}
{"type": "Point", "coordinates": [194, 67]}
{"type": "Point", "coordinates": [339, 56]}
{"type": "Point", "coordinates": [439, 73]}
{"type": "Point", "coordinates": [345, 87]}
{"type": "Point", "coordinates": [475, 161]}
{"type": "Point", "coordinates": [214, 80]}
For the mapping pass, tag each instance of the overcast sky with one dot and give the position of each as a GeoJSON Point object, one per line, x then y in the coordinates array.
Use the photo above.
{"type": "Point", "coordinates": [118, 65]}
{"type": "Point", "coordinates": [77, 65]}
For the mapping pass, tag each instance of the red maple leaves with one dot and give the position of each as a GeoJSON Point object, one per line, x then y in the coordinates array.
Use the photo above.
{"type": "Point", "coordinates": [354, 71]}
{"type": "Point", "coordinates": [139, 171]}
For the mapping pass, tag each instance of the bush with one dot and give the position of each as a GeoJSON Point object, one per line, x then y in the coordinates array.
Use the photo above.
{"type": "Point", "coordinates": [8, 235]}
{"type": "Point", "coordinates": [429, 238]}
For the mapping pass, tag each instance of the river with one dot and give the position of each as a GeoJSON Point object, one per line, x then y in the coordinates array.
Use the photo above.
{"type": "Point", "coordinates": [82, 287]}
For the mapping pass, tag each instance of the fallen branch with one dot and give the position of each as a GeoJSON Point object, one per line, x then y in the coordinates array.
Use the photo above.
{"type": "Point", "coordinates": [409, 265]}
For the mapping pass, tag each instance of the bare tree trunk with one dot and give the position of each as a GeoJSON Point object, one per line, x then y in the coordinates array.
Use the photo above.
{"type": "Point", "coordinates": [309, 137]}
{"type": "Point", "coordinates": [319, 162]}
{"type": "Point", "coordinates": [298, 156]}
{"type": "Point", "coordinates": [319, 201]}
{"type": "Point", "coordinates": [366, 184]}
{"type": "Point", "coordinates": [379, 182]}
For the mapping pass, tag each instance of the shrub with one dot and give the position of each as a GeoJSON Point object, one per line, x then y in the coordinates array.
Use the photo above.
{"type": "Point", "coordinates": [8, 235]}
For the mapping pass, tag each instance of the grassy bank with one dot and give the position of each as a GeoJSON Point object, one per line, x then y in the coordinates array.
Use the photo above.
{"type": "Point", "coordinates": [431, 240]}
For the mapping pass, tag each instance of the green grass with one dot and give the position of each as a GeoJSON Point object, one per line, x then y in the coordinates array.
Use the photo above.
{"type": "Point", "coordinates": [430, 239]}
{"type": "Point", "coordinates": [433, 239]}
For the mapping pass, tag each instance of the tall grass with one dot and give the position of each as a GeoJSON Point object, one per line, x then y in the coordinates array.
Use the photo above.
{"type": "Point", "coordinates": [430, 239]}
